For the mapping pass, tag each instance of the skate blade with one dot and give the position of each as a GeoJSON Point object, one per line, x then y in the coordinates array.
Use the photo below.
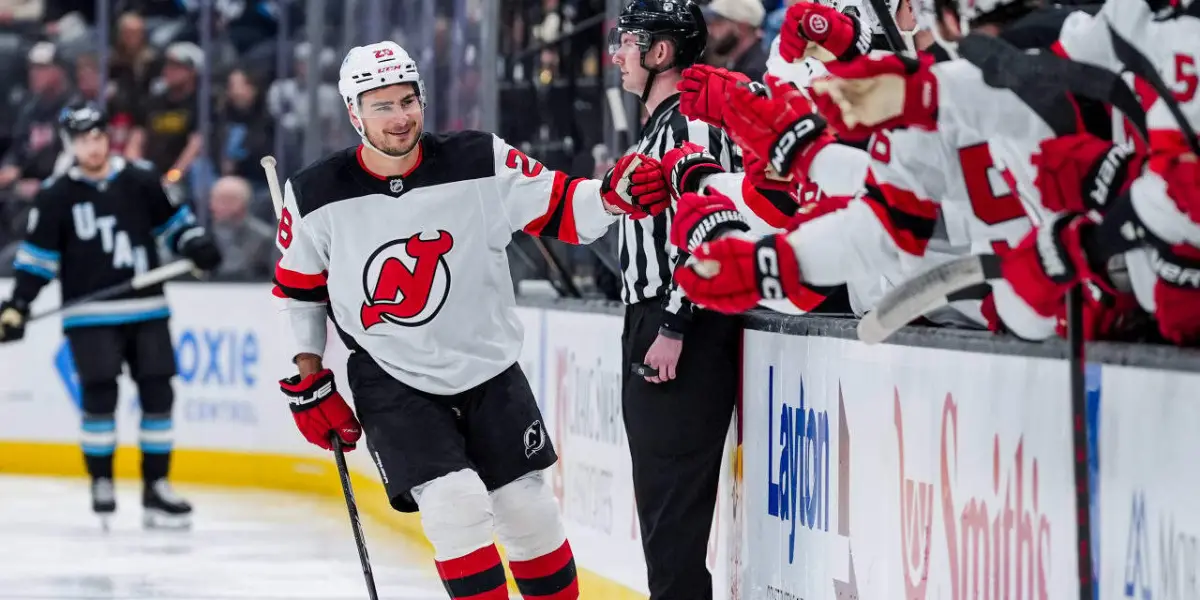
{"type": "Point", "coordinates": [158, 519]}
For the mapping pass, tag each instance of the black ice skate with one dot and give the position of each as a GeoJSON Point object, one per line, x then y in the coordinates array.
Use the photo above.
{"type": "Point", "coordinates": [164, 509]}
{"type": "Point", "coordinates": [104, 500]}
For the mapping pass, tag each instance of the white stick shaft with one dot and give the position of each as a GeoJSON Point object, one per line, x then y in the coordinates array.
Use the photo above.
{"type": "Point", "coordinates": [268, 165]}
{"type": "Point", "coordinates": [161, 274]}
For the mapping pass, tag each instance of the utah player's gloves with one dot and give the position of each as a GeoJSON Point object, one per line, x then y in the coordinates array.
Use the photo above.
{"type": "Point", "coordinates": [197, 245]}
{"type": "Point", "coordinates": [704, 217]}
{"type": "Point", "coordinates": [686, 165]}
{"type": "Point", "coordinates": [842, 35]}
{"type": "Point", "coordinates": [636, 186]}
{"type": "Point", "coordinates": [1049, 261]}
{"type": "Point", "coordinates": [319, 409]}
{"type": "Point", "coordinates": [1177, 294]}
{"type": "Point", "coordinates": [13, 314]}
{"type": "Point", "coordinates": [878, 91]}
{"type": "Point", "coordinates": [746, 272]}
{"type": "Point", "coordinates": [1082, 173]}
{"type": "Point", "coordinates": [703, 90]}
{"type": "Point", "coordinates": [781, 129]}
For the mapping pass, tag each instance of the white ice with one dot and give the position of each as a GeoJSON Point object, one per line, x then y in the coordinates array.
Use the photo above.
{"type": "Point", "coordinates": [243, 545]}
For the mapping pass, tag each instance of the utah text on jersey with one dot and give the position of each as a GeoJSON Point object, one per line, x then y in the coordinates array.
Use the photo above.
{"type": "Point", "coordinates": [413, 269]}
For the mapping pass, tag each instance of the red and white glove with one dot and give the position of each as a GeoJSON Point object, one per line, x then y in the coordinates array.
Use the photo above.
{"type": "Point", "coordinates": [636, 186]}
{"type": "Point", "coordinates": [780, 128]}
{"type": "Point", "coordinates": [1177, 294]}
{"type": "Point", "coordinates": [747, 271]}
{"type": "Point", "coordinates": [1083, 173]}
{"type": "Point", "coordinates": [1106, 317]}
{"type": "Point", "coordinates": [319, 409]}
{"type": "Point", "coordinates": [756, 171]}
{"type": "Point", "coordinates": [840, 34]}
{"type": "Point", "coordinates": [1048, 262]}
{"type": "Point", "coordinates": [704, 217]}
{"type": "Point", "coordinates": [703, 90]}
{"type": "Point", "coordinates": [876, 92]}
{"type": "Point", "coordinates": [1182, 174]}
{"type": "Point", "coordinates": [686, 165]}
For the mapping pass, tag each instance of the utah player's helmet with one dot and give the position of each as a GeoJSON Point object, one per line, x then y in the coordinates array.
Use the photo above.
{"type": "Point", "coordinates": [677, 21]}
{"type": "Point", "coordinates": [81, 119]}
{"type": "Point", "coordinates": [371, 67]}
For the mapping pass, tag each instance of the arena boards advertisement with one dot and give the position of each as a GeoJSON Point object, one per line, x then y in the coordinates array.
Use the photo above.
{"type": "Point", "coordinates": [883, 472]}
{"type": "Point", "coordinates": [1149, 484]}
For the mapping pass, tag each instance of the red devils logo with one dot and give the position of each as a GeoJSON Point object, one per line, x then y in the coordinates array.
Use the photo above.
{"type": "Point", "coordinates": [406, 281]}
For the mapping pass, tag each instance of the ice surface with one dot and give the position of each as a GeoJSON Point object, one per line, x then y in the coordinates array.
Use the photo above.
{"type": "Point", "coordinates": [243, 545]}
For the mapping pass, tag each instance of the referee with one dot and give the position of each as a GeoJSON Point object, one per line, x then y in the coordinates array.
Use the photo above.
{"type": "Point", "coordinates": [677, 412]}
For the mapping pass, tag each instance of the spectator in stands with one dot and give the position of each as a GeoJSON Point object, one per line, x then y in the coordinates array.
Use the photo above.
{"type": "Point", "coordinates": [734, 36]}
{"type": "Point", "coordinates": [246, 130]}
{"type": "Point", "coordinates": [166, 133]}
{"type": "Point", "coordinates": [21, 11]}
{"type": "Point", "coordinates": [247, 244]}
{"type": "Point", "coordinates": [774, 23]}
{"type": "Point", "coordinates": [133, 62]}
{"type": "Point", "coordinates": [36, 146]}
{"type": "Point", "coordinates": [287, 101]}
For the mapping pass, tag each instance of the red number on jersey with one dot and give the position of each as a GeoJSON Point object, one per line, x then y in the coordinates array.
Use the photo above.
{"type": "Point", "coordinates": [978, 168]}
{"type": "Point", "coordinates": [285, 229]}
{"type": "Point", "coordinates": [383, 52]}
{"type": "Point", "coordinates": [1186, 75]}
{"type": "Point", "coordinates": [517, 159]}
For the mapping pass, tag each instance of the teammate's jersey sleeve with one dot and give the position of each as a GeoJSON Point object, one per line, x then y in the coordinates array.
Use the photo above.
{"type": "Point", "coordinates": [967, 102]}
{"type": "Point", "coordinates": [906, 175]}
{"type": "Point", "coordinates": [1085, 38]}
{"type": "Point", "coordinates": [300, 275]}
{"type": "Point", "coordinates": [38, 256]}
{"type": "Point", "coordinates": [548, 203]}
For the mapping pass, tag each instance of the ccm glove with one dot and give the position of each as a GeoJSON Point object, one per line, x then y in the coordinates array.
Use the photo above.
{"type": "Point", "coordinates": [319, 409]}
{"type": "Point", "coordinates": [1082, 173]}
{"type": "Point", "coordinates": [636, 186]}
{"type": "Point", "coordinates": [198, 246]}
{"type": "Point", "coordinates": [1049, 261]}
{"type": "Point", "coordinates": [842, 35]}
{"type": "Point", "coordinates": [704, 217]}
{"type": "Point", "coordinates": [876, 92]}
{"type": "Point", "coordinates": [686, 165]}
{"type": "Point", "coordinates": [13, 314]}
{"type": "Point", "coordinates": [703, 90]}
{"type": "Point", "coordinates": [781, 128]}
{"type": "Point", "coordinates": [747, 271]}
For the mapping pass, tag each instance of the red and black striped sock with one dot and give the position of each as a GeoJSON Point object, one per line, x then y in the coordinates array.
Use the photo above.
{"type": "Point", "coordinates": [550, 576]}
{"type": "Point", "coordinates": [476, 576]}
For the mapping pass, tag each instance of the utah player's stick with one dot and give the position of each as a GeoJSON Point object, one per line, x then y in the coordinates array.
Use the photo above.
{"type": "Point", "coordinates": [355, 524]}
{"type": "Point", "coordinates": [268, 165]}
{"type": "Point", "coordinates": [152, 277]}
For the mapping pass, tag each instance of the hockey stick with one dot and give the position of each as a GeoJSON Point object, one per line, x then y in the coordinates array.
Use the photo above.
{"type": "Point", "coordinates": [890, 31]}
{"type": "Point", "coordinates": [1079, 440]}
{"type": "Point", "coordinates": [152, 277]}
{"type": "Point", "coordinates": [268, 165]}
{"type": "Point", "coordinates": [945, 283]}
{"type": "Point", "coordinates": [1139, 65]}
{"type": "Point", "coordinates": [347, 491]}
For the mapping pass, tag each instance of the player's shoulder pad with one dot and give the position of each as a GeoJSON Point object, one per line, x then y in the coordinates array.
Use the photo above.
{"type": "Point", "coordinates": [325, 181]}
{"type": "Point", "coordinates": [142, 170]}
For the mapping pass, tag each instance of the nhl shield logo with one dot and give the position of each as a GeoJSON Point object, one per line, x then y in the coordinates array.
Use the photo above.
{"type": "Point", "coordinates": [396, 185]}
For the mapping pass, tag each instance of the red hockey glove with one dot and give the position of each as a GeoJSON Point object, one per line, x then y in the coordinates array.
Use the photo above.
{"type": "Point", "coordinates": [686, 165]}
{"type": "Point", "coordinates": [319, 409]}
{"type": "Point", "coordinates": [747, 271]}
{"type": "Point", "coordinates": [1048, 262]}
{"type": "Point", "coordinates": [1106, 316]}
{"type": "Point", "coordinates": [760, 177]}
{"type": "Point", "coordinates": [703, 90]}
{"type": "Point", "coordinates": [1182, 174]}
{"type": "Point", "coordinates": [780, 128]}
{"type": "Point", "coordinates": [1177, 294]}
{"type": "Point", "coordinates": [636, 186]}
{"type": "Point", "coordinates": [876, 92]}
{"type": "Point", "coordinates": [704, 217]}
{"type": "Point", "coordinates": [840, 34]}
{"type": "Point", "coordinates": [1082, 173]}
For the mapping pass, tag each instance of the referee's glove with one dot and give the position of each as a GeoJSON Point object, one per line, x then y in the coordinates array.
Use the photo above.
{"type": "Point", "coordinates": [636, 186]}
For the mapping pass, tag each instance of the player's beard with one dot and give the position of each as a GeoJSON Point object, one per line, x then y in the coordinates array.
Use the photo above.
{"type": "Point", "coordinates": [379, 141]}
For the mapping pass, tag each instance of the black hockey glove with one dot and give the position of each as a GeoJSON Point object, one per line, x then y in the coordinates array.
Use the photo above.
{"type": "Point", "coordinates": [198, 246]}
{"type": "Point", "coordinates": [13, 314]}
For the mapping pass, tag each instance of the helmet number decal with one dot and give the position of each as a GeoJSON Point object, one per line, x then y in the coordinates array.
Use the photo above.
{"type": "Point", "coordinates": [383, 52]}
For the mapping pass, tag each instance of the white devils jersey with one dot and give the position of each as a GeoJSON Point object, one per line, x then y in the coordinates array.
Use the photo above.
{"type": "Point", "coordinates": [413, 269]}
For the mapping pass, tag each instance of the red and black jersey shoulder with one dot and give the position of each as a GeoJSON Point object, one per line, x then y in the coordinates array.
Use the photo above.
{"type": "Point", "coordinates": [445, 158]}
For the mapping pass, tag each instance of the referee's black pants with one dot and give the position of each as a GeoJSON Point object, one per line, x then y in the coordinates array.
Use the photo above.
{"type": "Point", "coordinates": [676, 436]}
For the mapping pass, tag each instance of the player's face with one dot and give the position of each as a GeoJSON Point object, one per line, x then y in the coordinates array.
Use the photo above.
{"type": "Point", "coordinates": [91, 149]}
{"type": "Point", "coordinates": [392, 119]}
{"type": "Point", "coordinates": [628, 57]}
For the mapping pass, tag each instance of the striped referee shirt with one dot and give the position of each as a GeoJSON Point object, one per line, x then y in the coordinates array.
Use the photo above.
{"type": "Point", "coordinates": [647, 257]}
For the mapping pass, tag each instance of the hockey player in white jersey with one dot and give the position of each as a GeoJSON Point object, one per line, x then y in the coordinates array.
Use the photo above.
{"type": "Point", "coordinates": [401, 242]}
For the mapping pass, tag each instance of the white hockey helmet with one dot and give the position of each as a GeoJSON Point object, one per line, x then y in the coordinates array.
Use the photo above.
{"type": "Point", "coordinates": [375, 66]}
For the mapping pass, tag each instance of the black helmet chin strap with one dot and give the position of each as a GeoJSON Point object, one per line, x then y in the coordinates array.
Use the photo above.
{"type": "Point", "coordinates": [652, 72]}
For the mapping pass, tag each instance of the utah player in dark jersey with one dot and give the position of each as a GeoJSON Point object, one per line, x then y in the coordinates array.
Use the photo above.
{"type": "Point", "coordinates": [96, 226]}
